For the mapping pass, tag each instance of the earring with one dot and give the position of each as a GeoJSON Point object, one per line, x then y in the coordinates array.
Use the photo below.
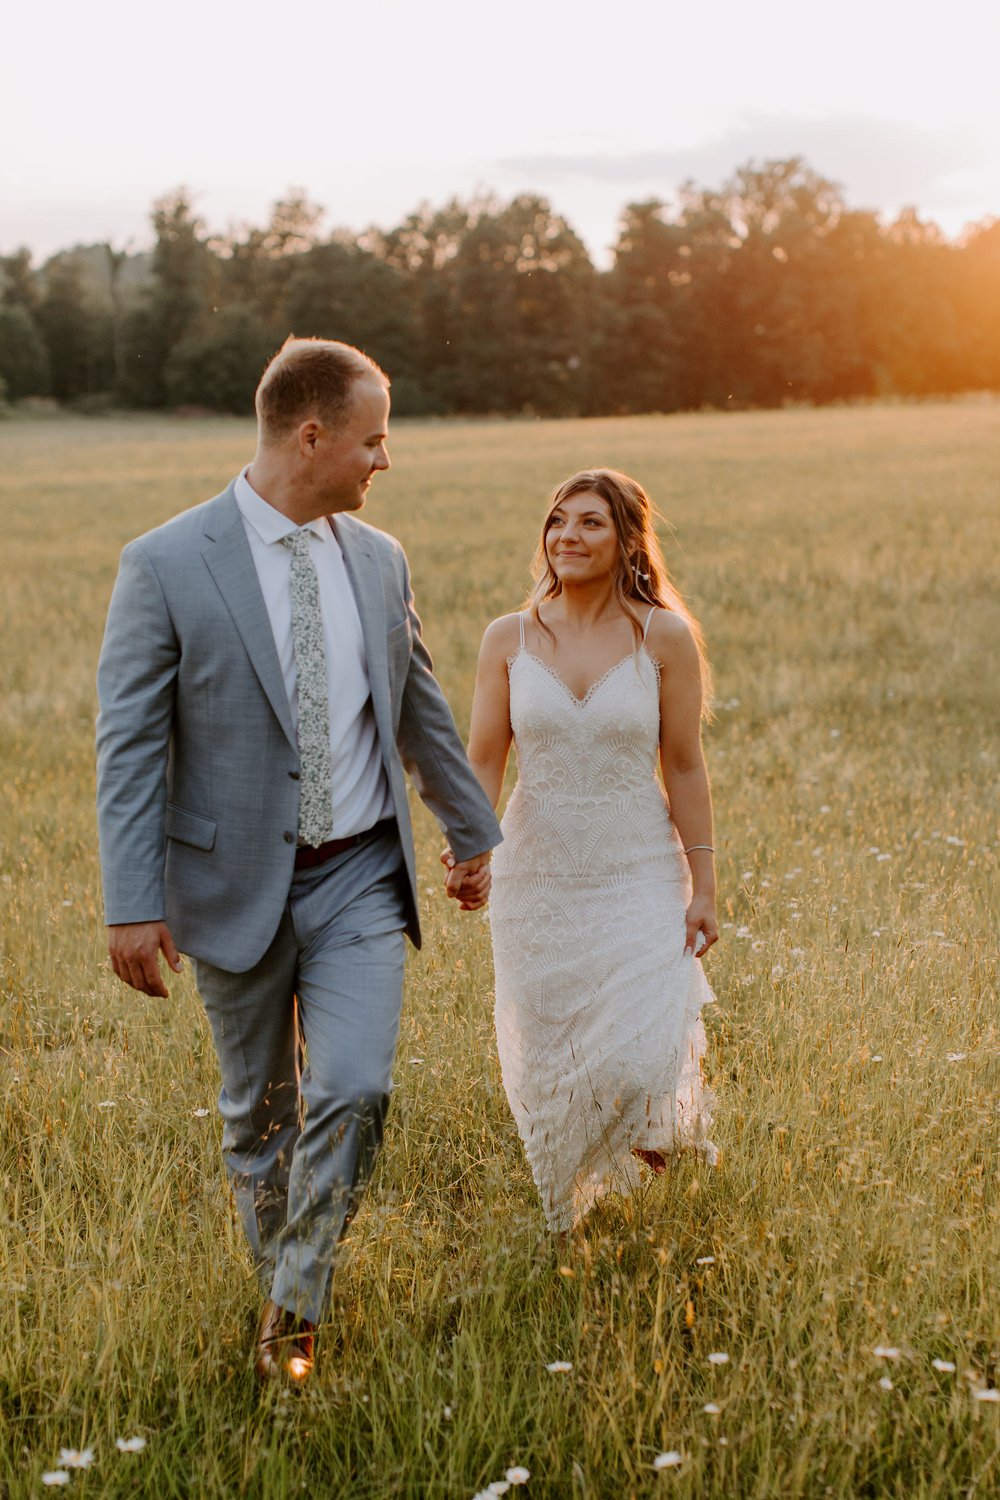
{"type": "Point", "coordinates": [638, 575]}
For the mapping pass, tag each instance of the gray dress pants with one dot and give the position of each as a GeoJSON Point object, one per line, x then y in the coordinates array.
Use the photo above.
{"type": "Point", "coordinates": [300, 1141]}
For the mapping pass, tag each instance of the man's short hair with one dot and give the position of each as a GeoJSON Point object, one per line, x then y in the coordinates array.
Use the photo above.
{"type": "Point", "coordinates": [309, 378]}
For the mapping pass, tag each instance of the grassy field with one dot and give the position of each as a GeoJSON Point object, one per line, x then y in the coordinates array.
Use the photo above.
{"type": "Point", "coordinates": [844, 564]}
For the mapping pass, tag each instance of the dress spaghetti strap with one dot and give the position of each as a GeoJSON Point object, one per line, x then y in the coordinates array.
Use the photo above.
{"type": "Point", "coordinates": [645, 628]}
{"type": "Point", "coordinates": [520, 621]}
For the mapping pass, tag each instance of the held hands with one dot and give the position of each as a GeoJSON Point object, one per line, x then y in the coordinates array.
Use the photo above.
{"type": "Point", "coordinates": [468, 881]}
{"type": "Point", "coordinates": [701, 927]}
{"type": "Point", "coordinates": [134, 949]}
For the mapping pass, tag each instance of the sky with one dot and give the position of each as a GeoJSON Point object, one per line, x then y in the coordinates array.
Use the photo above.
{"type": "Point", "coordinates": [374, 109]}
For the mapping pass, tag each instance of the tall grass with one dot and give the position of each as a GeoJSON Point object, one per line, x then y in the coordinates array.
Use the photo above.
{"type": "Point", "coordinates": [844, 565]}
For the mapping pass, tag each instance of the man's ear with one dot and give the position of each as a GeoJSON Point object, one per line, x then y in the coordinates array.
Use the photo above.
{"type": "Point", "coordinates": [308, 435]}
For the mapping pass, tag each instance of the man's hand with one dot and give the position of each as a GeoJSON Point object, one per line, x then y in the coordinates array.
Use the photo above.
{"type": "Point", "coordinates": [468, 881]}
{"type": "Point", "coordinates": [134, 949]}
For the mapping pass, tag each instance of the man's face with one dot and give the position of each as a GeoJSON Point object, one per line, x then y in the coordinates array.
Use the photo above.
{"type": "Point", "coordinates": [347, 455]}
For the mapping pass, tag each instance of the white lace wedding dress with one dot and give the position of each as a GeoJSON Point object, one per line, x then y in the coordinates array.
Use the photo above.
{"type": "Point", "coordinates": [597, 1008]}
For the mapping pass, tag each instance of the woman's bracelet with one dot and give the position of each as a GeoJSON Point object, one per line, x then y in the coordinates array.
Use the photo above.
{"type": "Point", "coordinates": [693, 847]}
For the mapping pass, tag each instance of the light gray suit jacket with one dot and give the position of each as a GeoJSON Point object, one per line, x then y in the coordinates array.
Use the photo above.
{"type": "Point", "coordinates": [197, 759]}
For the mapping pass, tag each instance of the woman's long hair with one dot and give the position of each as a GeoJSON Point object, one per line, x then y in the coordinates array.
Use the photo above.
{"type": "Point", "coordinates": [640, 576]}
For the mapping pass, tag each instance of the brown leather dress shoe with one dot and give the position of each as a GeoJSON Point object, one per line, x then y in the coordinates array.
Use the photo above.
{"type": "Point", "coordinates": [284, 1346]}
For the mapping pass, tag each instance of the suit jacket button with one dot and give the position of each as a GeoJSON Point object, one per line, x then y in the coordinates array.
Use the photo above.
{"type": "Point", "coordinates": [289, 838]}
{"type": "Point", "coordinates": [294, 775]}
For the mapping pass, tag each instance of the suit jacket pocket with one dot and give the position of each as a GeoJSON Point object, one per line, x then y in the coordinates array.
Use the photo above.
{"type": "Point", "coordinates": [190, 828]}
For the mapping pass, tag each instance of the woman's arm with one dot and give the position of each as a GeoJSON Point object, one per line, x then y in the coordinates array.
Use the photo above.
{"type": "Point", "coordinates": [683, 764]}
{"type": "Point", "coordinates": [490, 734]}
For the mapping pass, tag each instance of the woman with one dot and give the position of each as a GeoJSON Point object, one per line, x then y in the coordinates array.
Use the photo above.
{"type": "Point", "coordinates": [603, 899]}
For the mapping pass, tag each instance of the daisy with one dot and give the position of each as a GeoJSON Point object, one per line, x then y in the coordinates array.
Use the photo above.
{"type": "Point", "coordinates": [76, 1458]}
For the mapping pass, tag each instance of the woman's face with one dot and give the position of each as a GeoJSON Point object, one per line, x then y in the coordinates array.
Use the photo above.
{"type": "Point", "coordinates": [581, 543]}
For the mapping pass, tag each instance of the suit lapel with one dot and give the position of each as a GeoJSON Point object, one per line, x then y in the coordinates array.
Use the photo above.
{"type": "Point", "coordinates": [231, 564]}
{"type": "Point", "coordinates": [366, 580]}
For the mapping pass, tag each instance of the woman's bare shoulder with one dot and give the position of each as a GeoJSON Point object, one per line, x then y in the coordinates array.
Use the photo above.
{"type": "Point", "coordinates": [669, 636]}
{"type": "Point", "coordinates": [502, 637]}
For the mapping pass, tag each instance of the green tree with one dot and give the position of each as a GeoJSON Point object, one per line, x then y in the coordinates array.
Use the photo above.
{"type": "Point", "coordinates": [24, 358]}
{"type": "Point", "coordinates": [18, 282]}
{"type": "Point", "coordinates": [255, 265]}
{"type": "Point", "coordinates": [642, 364]}
{"type": "Point", "coordinates": [219, 369]}
{"type": "Point", "coordinates": [501, 296]}
{"type": "Point", "coordinates": [339, 290]}
{"type": "Point", "coordinates": [911, 302]}
{"type": "Point", "coordinates": [76, 338]}
{"type": "Point", "coordinates": [177, 302]}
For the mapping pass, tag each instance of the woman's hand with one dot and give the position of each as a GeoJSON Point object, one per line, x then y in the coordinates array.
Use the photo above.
{"type": "Point", "coordinates": [700, 919]}
{"type": "Point", "coordinates": [467, 881]}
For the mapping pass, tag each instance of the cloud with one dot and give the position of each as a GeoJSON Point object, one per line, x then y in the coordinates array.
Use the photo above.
{"type": "Point", "coordinates": [879, 163]}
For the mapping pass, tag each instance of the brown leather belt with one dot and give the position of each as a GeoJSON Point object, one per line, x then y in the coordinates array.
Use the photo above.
{"type": "Point", "coordinates": [306, 857]}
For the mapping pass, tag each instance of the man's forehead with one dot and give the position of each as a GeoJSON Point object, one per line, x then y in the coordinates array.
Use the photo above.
{"type": "Point", "coordinates": [371, 400]}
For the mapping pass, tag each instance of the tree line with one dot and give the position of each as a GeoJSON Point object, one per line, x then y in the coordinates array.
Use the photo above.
{"type": "Point", "coordinates": [767, 290]}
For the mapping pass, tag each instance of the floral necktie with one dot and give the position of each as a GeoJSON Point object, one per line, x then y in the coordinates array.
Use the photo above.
{"type": "Point", "coordinates": [315, 800]}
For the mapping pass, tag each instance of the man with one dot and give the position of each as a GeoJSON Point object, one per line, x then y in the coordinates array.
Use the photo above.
{"type": "Point", "coordinates": [262, 685]}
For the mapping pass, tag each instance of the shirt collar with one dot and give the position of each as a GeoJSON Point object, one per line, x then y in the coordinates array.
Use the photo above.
{"type": "Point", "coordinates": [269, 524]}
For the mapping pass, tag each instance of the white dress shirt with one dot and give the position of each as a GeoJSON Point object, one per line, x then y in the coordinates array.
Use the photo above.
{"type": "Point", "coordinates": [360, 792]}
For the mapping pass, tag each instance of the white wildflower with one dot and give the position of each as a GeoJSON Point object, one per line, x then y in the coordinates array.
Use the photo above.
{"type": "Point", "coordinates": [56, 1476]}
{"type": "Point", "coordinates": [559, 1367]}
{"type": "Point", "coordinates": [670, 1460]}
{"type": "Point", "coordinates": [130, 1445]}
{"type": "Point", "coordinates": [886, 1384]}
{"type": "Point", "coordinates": [705, 1260]}
{"type": "Point", "coordinates": [718, 1358]}
{"type": "Point", "coordinates": [885, 1351]}
{"type": "Point", "coordinates": [76, 1458]}
{"type": "Point", "coordinates": [200, 1114]}
{"type": "Point", "coordinates": [710, 1409]}
{"type": "Point", "coordinates": [517, 1475]}
{"type": "Point", "coordinates": [944, 1365]}
{"type": "Point", "coordinates": [987, 1394]}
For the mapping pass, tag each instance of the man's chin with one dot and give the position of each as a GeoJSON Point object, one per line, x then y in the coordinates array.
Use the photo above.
{"type": "Point", "coordinates": [355, 503]}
